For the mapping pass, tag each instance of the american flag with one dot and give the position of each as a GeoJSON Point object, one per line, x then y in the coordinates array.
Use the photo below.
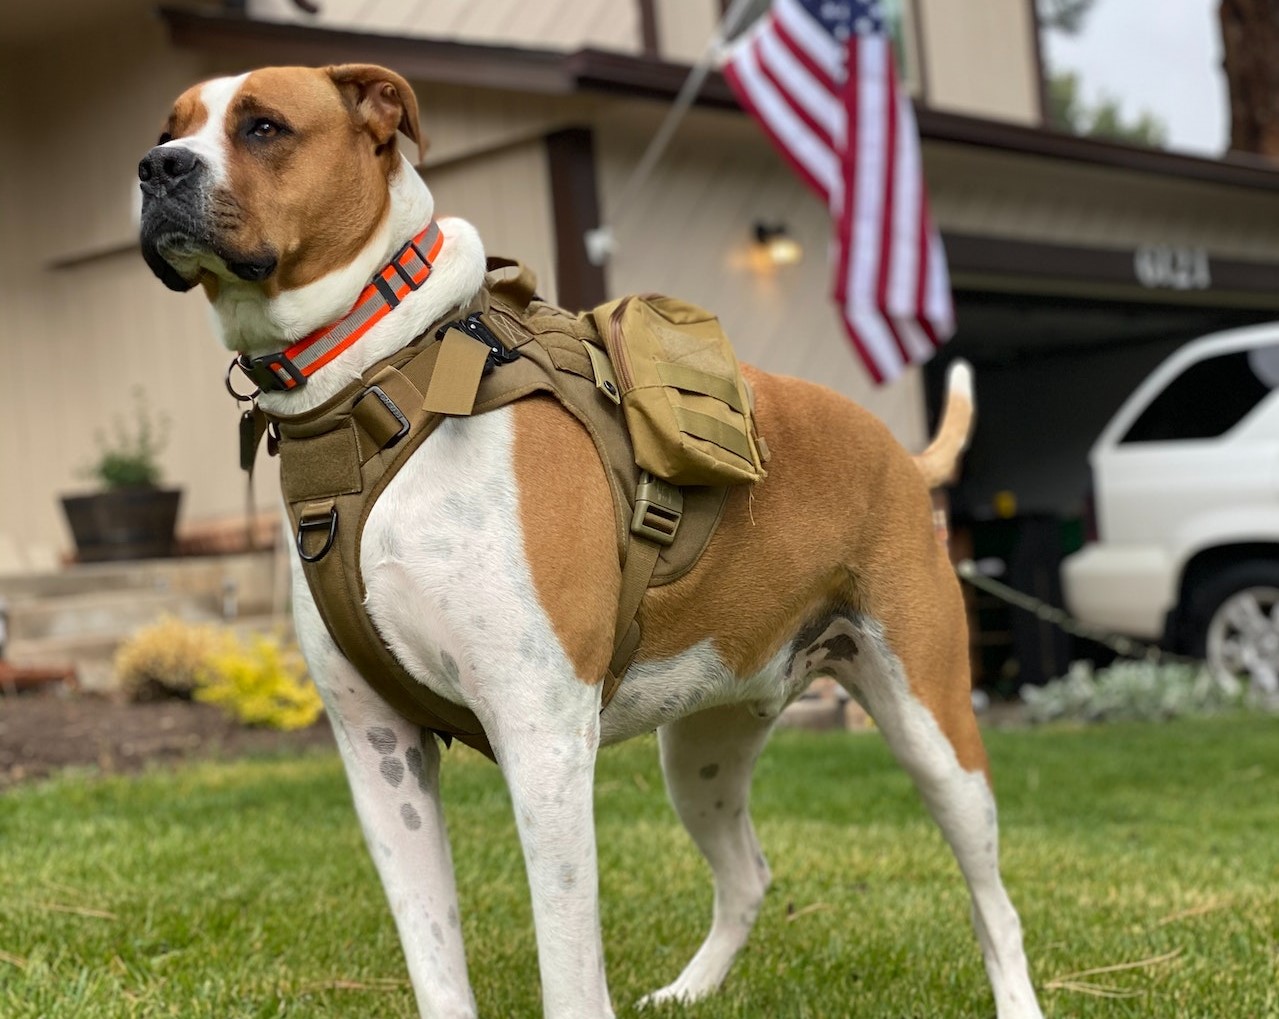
{"type": "Point", "coordinates": [820, 77]}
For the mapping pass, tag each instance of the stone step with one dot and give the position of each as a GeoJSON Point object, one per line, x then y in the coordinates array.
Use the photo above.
{"type": "Point", "coordinates": [105, 613]}
{"type": "Point", "coordinates": [248, 581]}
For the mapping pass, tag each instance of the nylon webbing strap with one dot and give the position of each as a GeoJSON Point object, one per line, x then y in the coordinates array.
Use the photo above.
{"type": "Point", "coordinates": [680, 376]}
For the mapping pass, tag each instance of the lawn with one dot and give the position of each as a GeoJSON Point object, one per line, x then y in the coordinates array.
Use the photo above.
{"type": "Point", "coordinates": [242, 889]}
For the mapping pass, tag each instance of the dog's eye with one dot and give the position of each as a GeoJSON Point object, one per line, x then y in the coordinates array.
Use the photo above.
{"type": "Point", "coordinates": [165, 138]}
{"type": "Point", "coordinates": [263, 128]}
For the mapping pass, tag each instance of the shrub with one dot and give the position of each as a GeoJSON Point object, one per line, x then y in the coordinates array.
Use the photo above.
{"type": "Point", "coordinates": [262, 682]}
{"type": "Point", "coordinates": [170, 658]}
{"type": "Point", "coordinates": [130, 459]}
{"type": "Point", "coordinates": [1131, 690]}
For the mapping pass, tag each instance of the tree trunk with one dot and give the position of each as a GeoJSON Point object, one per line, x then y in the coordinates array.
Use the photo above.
{"type": "Point", "coordinates": [1250, 41]}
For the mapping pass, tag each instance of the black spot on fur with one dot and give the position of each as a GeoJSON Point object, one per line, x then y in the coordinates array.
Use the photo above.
{"type": "Point", "coordinates": [382, 739]}
{"type": "Point", "coordinates": [709, 772]}
{"type": "Point", "coordinates": [412, 819]}
{"type": "Point", "coordinates": [392, 770]}
{"type": "Point", "coordinates": [841, 647]}
{"type": "Point", "coordinates": [413, 758]}
{"type": "Point", "coordinates": [450, 666]}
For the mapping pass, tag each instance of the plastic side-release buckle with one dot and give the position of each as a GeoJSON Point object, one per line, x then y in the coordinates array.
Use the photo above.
{"type": "Point", "coordinates": [659, 507]}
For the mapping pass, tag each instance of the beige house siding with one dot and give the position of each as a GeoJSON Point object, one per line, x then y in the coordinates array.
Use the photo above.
{"type": "Point", "coordinates": [688, 232]}
{"type": "Point", "coordinates": [505, 195]}
{"type": "Point", "coordinates": [979, 58]}
{"type": "Point", "coordinates": [1067, 203]}
{"type": "Point", "coordinates": [547, 24]}
{"type": "Point", "coordinates": [90, 148]}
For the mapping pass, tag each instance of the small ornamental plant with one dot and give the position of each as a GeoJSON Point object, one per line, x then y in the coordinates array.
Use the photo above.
{"type": "Point", "coordinates": [1133, 690]}
{"type": "Point", "coordinates": [168, 659]}
{"type": "Point", "coordinates": [260, 680]}
{"type": "Point", "coordinates": [130, 457]}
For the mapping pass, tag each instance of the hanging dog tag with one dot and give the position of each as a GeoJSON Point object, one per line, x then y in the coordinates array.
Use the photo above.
{"type": "Point", "coordinates": [456, 378]}
{"type": "Point", "coordinates": [252, 428]}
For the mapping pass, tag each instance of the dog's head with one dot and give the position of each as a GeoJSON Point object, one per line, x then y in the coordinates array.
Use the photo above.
{"type": "Point", "coordinates": [273, 178]}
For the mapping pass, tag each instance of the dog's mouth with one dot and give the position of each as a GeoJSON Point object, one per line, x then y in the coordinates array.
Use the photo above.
{"type": "Point", "coordinates": [179, 247]}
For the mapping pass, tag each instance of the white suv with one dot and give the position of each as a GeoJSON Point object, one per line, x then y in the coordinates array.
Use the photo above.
{"type": "Point", "coordinates": [1186, 490]}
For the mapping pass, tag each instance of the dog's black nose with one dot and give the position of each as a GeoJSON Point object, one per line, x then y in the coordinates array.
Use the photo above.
{"type": "Point", "coordinates": [167, 164]}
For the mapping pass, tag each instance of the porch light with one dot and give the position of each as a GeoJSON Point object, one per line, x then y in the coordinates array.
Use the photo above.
{"type": "Point", "coordinates": [776, 243]}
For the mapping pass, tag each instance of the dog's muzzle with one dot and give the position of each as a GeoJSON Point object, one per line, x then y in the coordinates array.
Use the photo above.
{"type": "Point", "coordinates": [175, 220]}
{"type": "Point", "coordinates": [173, 209]}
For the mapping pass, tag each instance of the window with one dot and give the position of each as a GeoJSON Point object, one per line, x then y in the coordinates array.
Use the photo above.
{"type": "Point", "coordinates": [1209, 398]}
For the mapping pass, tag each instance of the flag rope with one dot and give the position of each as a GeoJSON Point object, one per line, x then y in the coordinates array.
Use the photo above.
{"type": "Point", "coordinates": [601, 242]}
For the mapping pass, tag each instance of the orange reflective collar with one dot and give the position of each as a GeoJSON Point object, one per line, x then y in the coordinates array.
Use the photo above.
{"type": "Point", "coordinates": [406, 272]}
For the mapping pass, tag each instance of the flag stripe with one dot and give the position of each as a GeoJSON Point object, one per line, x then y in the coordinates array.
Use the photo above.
{"type": "Point", "coordinates": [820, 78]}
{"type": "Point", "coordinates": [816, 163]}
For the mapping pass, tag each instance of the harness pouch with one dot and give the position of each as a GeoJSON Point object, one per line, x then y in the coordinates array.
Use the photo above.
{"type": "Point", "coordinates": [687, 407]}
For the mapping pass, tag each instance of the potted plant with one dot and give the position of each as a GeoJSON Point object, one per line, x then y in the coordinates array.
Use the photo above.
{"type": "Point", "coordinates": [132, 517]}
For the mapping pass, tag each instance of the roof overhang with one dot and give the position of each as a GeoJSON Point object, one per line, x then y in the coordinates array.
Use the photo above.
{"type": "Point", "coordinates": [551, 72]}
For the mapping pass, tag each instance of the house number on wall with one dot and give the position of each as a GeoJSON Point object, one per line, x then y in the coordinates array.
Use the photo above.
{"type": "Point", "coordinates": [1172, 268]}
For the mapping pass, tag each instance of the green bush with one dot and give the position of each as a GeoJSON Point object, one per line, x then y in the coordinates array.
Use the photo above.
{"type": "Point", "coordinates": [130, 459]}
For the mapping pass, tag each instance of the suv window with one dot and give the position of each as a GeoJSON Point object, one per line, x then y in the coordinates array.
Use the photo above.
{"type": "Point", "coordinates": [1207, 399]}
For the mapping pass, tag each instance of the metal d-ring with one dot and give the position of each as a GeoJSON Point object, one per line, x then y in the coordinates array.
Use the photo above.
{"type": "Point", "coordinates": [239, 397]}
{"type": "Point", "coordinates": [318, 525]}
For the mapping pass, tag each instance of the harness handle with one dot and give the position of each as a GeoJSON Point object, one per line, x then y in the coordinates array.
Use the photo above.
{"type": "Point", "coordinates": [517, 290]}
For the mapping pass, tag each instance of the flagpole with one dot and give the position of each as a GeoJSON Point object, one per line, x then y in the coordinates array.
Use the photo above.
{"type": "Point", "coordinates": [601, 242]}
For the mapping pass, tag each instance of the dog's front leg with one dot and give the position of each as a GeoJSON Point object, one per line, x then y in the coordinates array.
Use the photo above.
{"type": "Point", "coordinates": [546, 746]}
{"type": "Point", "coordinates": [393, 769]}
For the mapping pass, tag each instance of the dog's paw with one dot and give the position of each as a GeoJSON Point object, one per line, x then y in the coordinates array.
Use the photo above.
{"type": "Point", "coordinates": [677, 992]}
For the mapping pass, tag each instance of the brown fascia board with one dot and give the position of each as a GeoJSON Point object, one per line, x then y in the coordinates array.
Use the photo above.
{"type": "Point", "coordinates": [254, 42]}
{"type": "Point", "coordinates": [552, 72]}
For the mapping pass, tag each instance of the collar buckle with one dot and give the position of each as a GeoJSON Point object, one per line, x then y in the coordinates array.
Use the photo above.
{"type": "Point", "coordinates": [273, 373]}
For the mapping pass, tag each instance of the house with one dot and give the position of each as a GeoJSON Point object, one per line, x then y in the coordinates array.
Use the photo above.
{"type": "Point", "coordinates": [1076, 263]}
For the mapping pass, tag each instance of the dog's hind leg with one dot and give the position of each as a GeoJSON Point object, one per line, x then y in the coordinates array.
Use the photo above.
{"type": "Point", "coordinates": [708, 759]}
{"type": "Point", "coordinates": [393, 771]}
{"type": "Point", "coordinates": [921, 701]}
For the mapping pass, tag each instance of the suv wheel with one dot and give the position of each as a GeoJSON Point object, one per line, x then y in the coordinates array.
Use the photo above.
{"type": "Point", "coordinates": [1234, 624]}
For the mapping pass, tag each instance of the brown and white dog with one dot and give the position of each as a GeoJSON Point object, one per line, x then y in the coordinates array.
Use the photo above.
{"type": "Point", "coordinates": [280, 193]}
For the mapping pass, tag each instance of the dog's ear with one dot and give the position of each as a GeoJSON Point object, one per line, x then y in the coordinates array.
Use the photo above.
{"type": "Point", "coordinates": [381, 100]}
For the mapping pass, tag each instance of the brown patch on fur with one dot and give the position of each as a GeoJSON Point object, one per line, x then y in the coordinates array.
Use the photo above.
{"type": "Point", "coordinates": [570, 538]}
{"type": "Point", "coordinates": [188, 115]}
{"type": "Point", "coordinates": [843, 520]}
{"type": "Point", "coordinates": [314, 194]}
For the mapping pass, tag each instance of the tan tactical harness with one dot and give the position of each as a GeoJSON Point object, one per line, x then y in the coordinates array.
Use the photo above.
{"type": "Point", "coordinates": [337, 459]}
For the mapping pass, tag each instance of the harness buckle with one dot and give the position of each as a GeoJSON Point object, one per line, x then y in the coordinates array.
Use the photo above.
{"type": "Point", "coordinates": [391, 409]}
{"type": "Point", "coordinates": [474, 327]}
{"type": "Point", "coordinates": [265, 371]}
{"type": "Point", "coordinates": [659, 507]}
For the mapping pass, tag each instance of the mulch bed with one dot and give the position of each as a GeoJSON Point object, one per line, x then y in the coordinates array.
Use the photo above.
{"type": "Point", "coordinates": [42, 733]}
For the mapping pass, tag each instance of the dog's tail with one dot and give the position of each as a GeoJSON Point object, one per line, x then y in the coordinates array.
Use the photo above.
{"type": "Point", "coordinates": [938, 462]}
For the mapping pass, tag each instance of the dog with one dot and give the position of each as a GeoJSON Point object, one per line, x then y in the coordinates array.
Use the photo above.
{"type": "Point", "coordinates": [280, 193]}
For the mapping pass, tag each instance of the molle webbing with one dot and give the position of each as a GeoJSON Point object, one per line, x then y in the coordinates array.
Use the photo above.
{"type": "Point", "coordinates": [337, 459]}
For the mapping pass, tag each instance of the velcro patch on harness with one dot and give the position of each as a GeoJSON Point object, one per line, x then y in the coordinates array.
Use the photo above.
{"type": "Point", "coordinates": [322, 466]}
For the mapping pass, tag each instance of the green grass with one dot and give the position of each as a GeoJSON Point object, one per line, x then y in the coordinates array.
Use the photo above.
{"type": "Point", "coordinates": [243, 889]}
